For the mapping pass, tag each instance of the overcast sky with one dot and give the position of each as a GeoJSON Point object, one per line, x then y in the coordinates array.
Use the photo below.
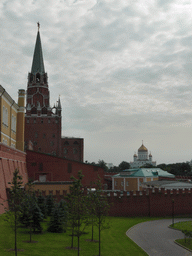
{"type": "Point", "coordinates": [123, 70]}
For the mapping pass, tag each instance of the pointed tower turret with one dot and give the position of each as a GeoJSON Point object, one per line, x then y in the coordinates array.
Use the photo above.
{"type": "Point", "coordinates": [42, 121]}
{"type": "Point", "coordinates": [38, 64]}
{"type": "Point", "coordinates": [37, 89]}
{"type": "Point", "coordinates": [43, 127]}
{"type": "Point", "coordinates": [59, 107]}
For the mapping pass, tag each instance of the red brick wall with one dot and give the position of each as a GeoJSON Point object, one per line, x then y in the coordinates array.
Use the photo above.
{"type": "Point", "coordinates": [159, 203]}
{"type": "Point", "coordinates": [60, 169]}
{"type": "Point", "coordinates": [10, 159]}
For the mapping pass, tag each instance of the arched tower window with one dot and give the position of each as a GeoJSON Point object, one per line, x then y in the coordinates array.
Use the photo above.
{"type": "Point", "coordinates": [44, 110]}
{"type": "Point", "coordinates": [33, 110]}
{"type": "Point", "coordinates": [37, 78]}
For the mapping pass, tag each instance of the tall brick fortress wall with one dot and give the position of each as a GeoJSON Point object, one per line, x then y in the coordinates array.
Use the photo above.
{"type": "Point", "coordinates": [157, 203]}
{"type": "Point", "coordinates": [151, 203]}
{"type": "Point", "coordinates": [10, 159]}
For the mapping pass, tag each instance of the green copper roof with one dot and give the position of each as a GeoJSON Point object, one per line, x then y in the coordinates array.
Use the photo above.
{"type": "Point", "coordinates": [144, 172]}
{"type": "Point", "coordinates": [38, 65]}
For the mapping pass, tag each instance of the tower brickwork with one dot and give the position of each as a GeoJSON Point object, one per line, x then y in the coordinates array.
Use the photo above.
{"type": "Point", "coordinates": [43, 122]}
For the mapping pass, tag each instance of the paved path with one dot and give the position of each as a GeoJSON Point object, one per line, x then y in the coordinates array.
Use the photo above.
{"type": "Point", "coordinates": [155, 238]}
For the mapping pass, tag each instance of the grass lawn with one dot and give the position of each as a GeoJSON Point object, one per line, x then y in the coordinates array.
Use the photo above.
{"type": "Point", "coordinates": [113, 241]}
{"type": "Point", "coordinates": [185, 225]}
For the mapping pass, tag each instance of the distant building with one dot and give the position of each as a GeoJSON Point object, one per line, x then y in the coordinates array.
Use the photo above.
{"type": "Point", "coordinates": [142, 158]}
{"type": "Point", "coordinates": [110, 165]}
{"type": "Point", "coordinates": [167, 184]}
{"type": "Point", "coordinates": [132, 179]}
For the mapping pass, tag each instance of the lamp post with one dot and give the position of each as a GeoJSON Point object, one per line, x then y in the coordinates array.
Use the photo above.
{"type": "Point", "coordinates": [173, 211]}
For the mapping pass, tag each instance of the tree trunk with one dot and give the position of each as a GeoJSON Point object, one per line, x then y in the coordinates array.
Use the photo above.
{"type": "Point", "coordinates": [78, 234]}
{"type": "Point", "coordinates": [30, 233]}
{"type": "Point", "coordinates": [15, 233]}
{"type": "Point", "coordinates": [92, 231]}
{"type": "Point", "coordinates": [72, 239]}
{"type": "Point", "coordinates": [99, 237]}
{"type": "Point", "coordinates": [78, 244]}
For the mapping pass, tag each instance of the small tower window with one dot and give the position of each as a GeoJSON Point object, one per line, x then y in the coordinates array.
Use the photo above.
{"type": "Point", "coordinates": [75, 151]}
{"type": "Point", "coordinates": [40, 166]}
{"type": "Point", "coordinates": [36, 135]}
{"type": "Point", "coordinates": [53, 135]}
{"type": "Point", "coordinates": [34, 121]}
{"type": "Point", "coordinates": [37, 78]}
{"type": "Point", "coordinates": [42, 121]}
{"type": "Point", "coordinates": [49, 121]}
{"type": "Point", "coordinates": [65, 151]}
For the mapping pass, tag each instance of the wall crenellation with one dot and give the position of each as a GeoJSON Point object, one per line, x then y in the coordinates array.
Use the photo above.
{"type": "Point", "coordinates": [152, 202]}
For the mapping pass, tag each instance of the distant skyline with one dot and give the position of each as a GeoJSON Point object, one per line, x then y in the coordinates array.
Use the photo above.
{"type": "Point", "coordinates": [123, 70]}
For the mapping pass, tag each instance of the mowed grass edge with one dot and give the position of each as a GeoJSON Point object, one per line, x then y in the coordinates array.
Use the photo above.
{"type": "Point", "coordinates": [113, 241]}
{"type": "Point", "coordinates": [184, 225]}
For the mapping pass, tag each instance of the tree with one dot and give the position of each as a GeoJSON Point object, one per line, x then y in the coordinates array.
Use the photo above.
{"type": "Point", "coordinates": [91, 209]}
{"type": "Point", "coordinates": [31, 215]}
{"type": "Point", "coordinates": [50, 204]}
{"type": "Point", "coordinates": [101, 211]}
{"type": "Point", "coordinates": [176, 168]}
{"type": "Point", "coordinates": [103, 165]}
{"type": "Point", "coordinates": [41, 201]}
{"type": "Point", "coordinates": [15, 199]}
{"type": "Point", "coordinates": [58, 219]}
{"type": "Point", "coordinates": [77, 209]}
{"type": "Point", "coordinates": [124, 165]}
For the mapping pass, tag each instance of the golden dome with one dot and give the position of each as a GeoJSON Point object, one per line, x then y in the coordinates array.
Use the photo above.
{"type": "Point", "coordinates": [142, 148]}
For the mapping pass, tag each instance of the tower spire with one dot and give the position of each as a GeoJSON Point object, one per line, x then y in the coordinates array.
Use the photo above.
{"type": "Point", "coordinates": [38, 64]}
{"type": "Point", "coordinates": [38, 25]}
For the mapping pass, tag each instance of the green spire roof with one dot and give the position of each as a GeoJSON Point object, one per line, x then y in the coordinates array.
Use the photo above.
{"type": "Point", "coordinates": [38, 65]}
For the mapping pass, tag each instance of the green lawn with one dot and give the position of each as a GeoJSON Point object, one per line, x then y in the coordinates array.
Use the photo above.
{"type": "Point", "coordinates": [113, 241]}
{"type": "Point", "coordinates": [185, 225]}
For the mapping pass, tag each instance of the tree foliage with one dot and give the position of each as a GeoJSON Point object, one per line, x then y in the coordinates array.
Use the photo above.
{"type": "Point", "coordinates": [176, 168]}
{"type": "Point", "coordinates": [77, 209]}
{"type": "Point", "coordinates": [103, 165]}
{"type": "Point", "coordinates": [50, 204]}
{"type": "Point", "coordinates": [124, 165]}
{"type": "Point", "coordinates": [15, 199]}
{"type": "Point", "coordinates": [31, 215]}
{"type": "Point", "coordinates": [41, 201]}
{"type": "Point", "coordinates": [101, 211]}
{"type": "Point", "coordinates": [58, 220]}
